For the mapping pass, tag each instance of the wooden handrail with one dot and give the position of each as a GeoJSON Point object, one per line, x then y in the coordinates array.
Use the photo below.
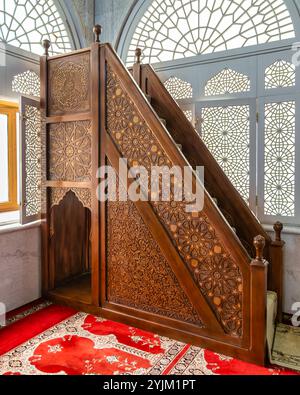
{"type": "Point", "coordinates": [276, 268]}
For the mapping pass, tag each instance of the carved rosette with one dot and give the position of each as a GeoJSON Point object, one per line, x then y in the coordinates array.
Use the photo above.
{"type": "Point", "coordinates": [70, 151]}
{"type": "Point", "coordinates": [214, 270]}
{"type": "Point", "coordinates": [83, 195]}
{"type": "Point", "coordinates": [69, 85]}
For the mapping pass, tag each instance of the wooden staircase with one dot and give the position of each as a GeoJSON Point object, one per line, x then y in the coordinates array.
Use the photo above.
{"type": "Point", "coordinates": [189, 276]}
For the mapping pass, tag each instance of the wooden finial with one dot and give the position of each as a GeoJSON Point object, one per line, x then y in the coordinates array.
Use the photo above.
{"type": "Point", "coordinates": [97, 32]}
{"type": "Point", "coordinates": [138, 54]}
{"type": "Point", "coordinates": [259, 244]}
{"type": "Point", "coordinates": [278, 229]}
{"type": "Point", "coordinates": [46, 46]}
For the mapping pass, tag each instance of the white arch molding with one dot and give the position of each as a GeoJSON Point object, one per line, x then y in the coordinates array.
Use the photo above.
{"type": "Point", "coordinates": [25, 23]}
{"type": "Point", "coordinates": [169, 30]}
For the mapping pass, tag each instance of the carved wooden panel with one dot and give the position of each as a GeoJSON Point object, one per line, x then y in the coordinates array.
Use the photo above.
{"type": "Point", "coordinates": [69, 85]}
{"type": "Point", "coordinates": [82, 194]}
{"type": "Point", "coordinates": [138, 274]}
{"type": "Point", "coordinates": [31, 160]}
{"type": "Point", "coordinates": [70, 228]}
{"type": "Point", "coordinates": [212, 266]}
{"type": "Point", "coordinates": [70, 147]}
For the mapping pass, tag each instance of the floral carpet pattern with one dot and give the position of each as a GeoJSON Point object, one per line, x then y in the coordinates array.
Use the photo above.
{"type": "Point", "coordinates": [55, 340]}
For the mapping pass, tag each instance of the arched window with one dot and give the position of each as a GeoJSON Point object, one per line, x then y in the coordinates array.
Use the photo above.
{"type": "Point", "coordinates": [171, 30]}
{"type": "Point", "coordinates": [25, 23]}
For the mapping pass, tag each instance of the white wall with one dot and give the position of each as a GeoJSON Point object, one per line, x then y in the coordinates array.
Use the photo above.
{"type": "Point", "coordinates": [291, 271]}
{"type": "Point", "coordinates": [20, 267]}
{"type": "Point", "coordinates": [111, 14]}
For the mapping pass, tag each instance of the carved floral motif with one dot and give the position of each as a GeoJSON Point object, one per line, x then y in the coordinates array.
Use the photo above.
{"type": "Point", "coordinates": [214, 270]}
{"type": "Point", "coordinates": [70, 151]}
{"type": "Point", "coordinates": [83, 195]}
{"type": "Point", "coordinates": [69, 83]}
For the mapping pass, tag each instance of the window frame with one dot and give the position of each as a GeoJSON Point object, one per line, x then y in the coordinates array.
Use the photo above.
{"type": "Point", "coordinates": [11, 110]}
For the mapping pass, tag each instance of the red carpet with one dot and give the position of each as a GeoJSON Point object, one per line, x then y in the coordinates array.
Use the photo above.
{"type": "Point", "coordinates": [52, 339]}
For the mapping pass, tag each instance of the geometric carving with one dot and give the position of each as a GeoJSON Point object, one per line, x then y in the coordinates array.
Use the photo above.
{"type": "Point", "coordinates": [227, 81]}
{"type": "Point", "coordinates": [215, 272]}
{"type": "Point", "coordinates": [32, 131]}
{"type": "Point", "coordinates": [280, 165]}
{"type": "Point", "coordinates": [138, 274]}
{"type": "Point", "coordinates": [226, 132]}
{"type": "Point", "coordinates": [69, 85]}
{"type": "Point", "coordinates": [82, 194]}
{"type": "Point", "coordinates": [178, 88]}
{"type": "Point", "coordinates": [171, 30]}
{"type": "Point", "coordinates": [24, 24]}
{"type": "Point", "coordinates": [280, 74]}
{"type": "Point", "coordinates": [70, 151]}
{"type": "Point", "coordinates": [27, 83]}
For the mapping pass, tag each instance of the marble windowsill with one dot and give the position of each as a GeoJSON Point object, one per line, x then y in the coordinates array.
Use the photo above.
{"type": "Point", "coordinates": [13, 227]}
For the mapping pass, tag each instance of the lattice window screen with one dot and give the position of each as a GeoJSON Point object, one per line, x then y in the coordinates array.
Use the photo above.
{"type": "Point", "coordinates": [27, 83]}
{"type": "Point", "coordinates": [280, 74]}
{"type": "Point", "coordinates": [226, 82]}
{"type": "Point", "coordinates": [171, 30]}
{"type": "Point", "coordinates": [31, 160]}
{"type": "Point", "coordinates": [226, 132]}
{"type": "Point", "coordinates": [279, 162]}
{"type": "Point", "coordinates": [178, 88]}
{"type": "Point", "coordinates": [25, 23]}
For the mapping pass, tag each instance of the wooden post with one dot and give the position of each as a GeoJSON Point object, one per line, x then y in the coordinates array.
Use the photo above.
{"type": "Point", "coordinates": [97, 32]}
{"type": "Point", "coordinates": [46, 45]}
{"type": "Point", "coordinates": [137, 68]}
{"type": "Point", "coordinates": [258, 302]}
{"type": "Point", "coordinates": [276, 275]}
{"type": "Point", "coordinates": [96, 99]}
